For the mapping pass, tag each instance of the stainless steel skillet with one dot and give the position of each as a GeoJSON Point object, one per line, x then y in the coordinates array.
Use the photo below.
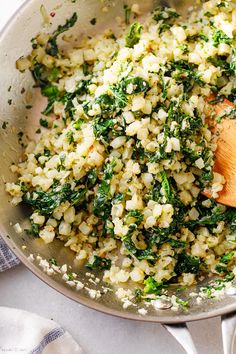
{"type": "Point", "coordinates": [16, 94]}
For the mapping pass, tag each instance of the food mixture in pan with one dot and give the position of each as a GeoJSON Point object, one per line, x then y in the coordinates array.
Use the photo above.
{"type": "Point", "coordinates": [125, 148]}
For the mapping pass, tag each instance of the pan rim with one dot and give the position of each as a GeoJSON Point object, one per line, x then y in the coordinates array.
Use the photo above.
{"type": "Point", "coordinates": [94, 305]}
{"type": "Point", "coordinates": [72, 295]}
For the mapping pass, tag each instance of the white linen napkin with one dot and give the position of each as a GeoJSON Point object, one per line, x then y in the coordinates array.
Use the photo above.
{"type": "Point", "coordinates": [22, 332]}
{"type": "Point", "coordinates": [7, 258]}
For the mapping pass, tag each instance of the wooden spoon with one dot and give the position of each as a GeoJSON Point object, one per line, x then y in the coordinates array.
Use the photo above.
{"type": "Point", "coordinates": [225, 154]}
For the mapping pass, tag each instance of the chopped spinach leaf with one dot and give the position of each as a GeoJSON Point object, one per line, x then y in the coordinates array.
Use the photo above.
{"type": "Point", "coordinates": [50, 91]}
{"type": "Point", "coordinates": [220, 61]}
{"type": "Point", "coordinates": [208, 14]}
{"type": "Point", "coordinates": [220, 37]}
{"type": "Point", "coordinates": [127, 239]}
{"type": "Point", "coordinates": [70, 136]}
{"type": "Point", "coordinates": [233, 63]}
{"type": "Point", "coordinates": [52, 48]}
{"type": "Point", "coordinates": [92, 178]}
{"type": "Point", "coordinates": [164, 14]}
{"type": "Point", "coordinates": [222, 4]}
{"type": "Point", "coordinates": [138, 293]}
{"type": "Point", "coordinates": [71, 276]}
{"type": "Point", "coordinates": [33, 231]}
{"type": "Point", "coordinates": [159, 236]}
{"type": "Point", "coordinates": [147, 254]}
{"type": "Point", "coordinates": [53, 261]}
{"type": "Point", "coordinates": [75, 197]}
{"type": "Point", "coordinates": [119, 95]}
{"type": "Point", "coordinates": [99, 263]}
{"type": "Point", "coordinates": [197, 36]}
{"type": "Point", "coordinates": [53, 75]}
{"type": "Point", "coordinates": [133, 35]}
{"type": "Point", "coordinates": [78, 124]}
{"type": "Point", "coordinates": [186, 74]}
{"type": "Point", "coordinates": [164, 86]}
{"type": "Point", "coordinates": [40, 75]}
{"type": "Point", "coordinates": [182, 302]}
{"type": "Point", "coordinates": [43, 122]}
{"type": "Point", "coordinates": [227, 257]}
{"type": "Point", "coordinates": [221, 268]}
{"type": "Point", "coordinates": [119, 92]}
{"type": "Point", "coordinates": [106, 102]}
{"type": "Point", "coordinates": [102, 127]}
{"type": "Point", "coordinates": [85, 68]}
{"type": "Point", "coordinates": [47, 202]}
{"type": "Point", "coordinates": [187, 264]}
{"type": "Point", "coordinates": [184, 48]}
{"type": "Point", "coordinates": [134, 216]}
{"type": "Point", "coordinates": [138, 83]}
{"type": "Point", "coordinates": [102, 200]}
{"type": "Point", "coordinates": [165, 185]}
{"type": "Point", "coordinates": [164, 27]}
{"type": "Point", "coordinates": [108, 228]}
{"type": "Point", "coordinates": [118, 198]}
{"type": "Point", "coordinates": [152, 286]}
{"type": "Point", "coordinates": [182, 288]}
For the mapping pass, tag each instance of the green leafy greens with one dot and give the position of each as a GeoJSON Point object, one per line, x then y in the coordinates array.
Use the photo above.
{"type": "Point", "coordinates": [47, 202]}
{"type": "Point", "coordinates": [133, 36]}
{"type": "Point", "coordinates": [99, 263]}
{"type": "Point", "coordinates": [102, 200]}
{"type": "Point", "coordinates": [52, 47]}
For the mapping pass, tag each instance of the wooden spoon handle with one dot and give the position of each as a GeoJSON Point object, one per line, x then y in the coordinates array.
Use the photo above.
{"type": "Point", "coordinates": [225, 154]}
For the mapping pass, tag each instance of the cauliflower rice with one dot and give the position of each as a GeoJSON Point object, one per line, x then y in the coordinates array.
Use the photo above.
{"type": "Point", "coordinates": [125, 150]}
